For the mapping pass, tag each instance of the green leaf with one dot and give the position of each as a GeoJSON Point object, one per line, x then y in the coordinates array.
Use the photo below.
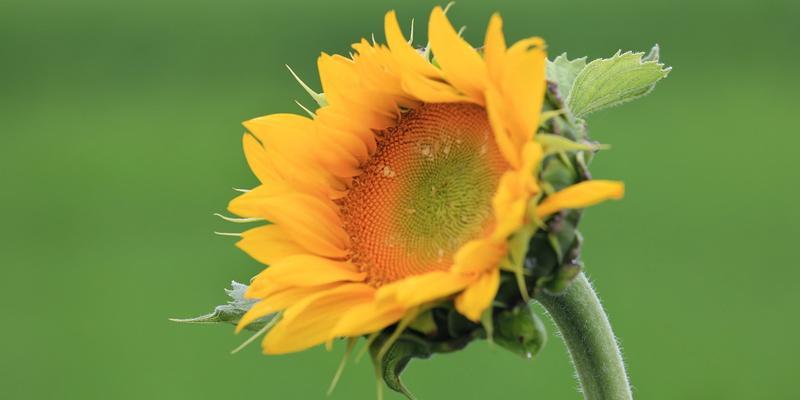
{"type": "Point", "coordinates": [231, 312]}
{"type": "Point", "coordinates": [611, 81]}
{"type": "Point", "coordinates": [654, 53]}
{"type": "Point", "coordinates": [563, 72]}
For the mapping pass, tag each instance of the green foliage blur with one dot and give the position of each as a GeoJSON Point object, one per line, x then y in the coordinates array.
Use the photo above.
{"type": "Point", "coordinates": [120, 135]}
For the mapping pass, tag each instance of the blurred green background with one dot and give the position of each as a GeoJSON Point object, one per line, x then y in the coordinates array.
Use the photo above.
{"type": "Point", "coordinates": [120, 136]}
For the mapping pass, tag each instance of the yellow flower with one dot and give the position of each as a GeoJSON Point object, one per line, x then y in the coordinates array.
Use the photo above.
{"type": "Point", "coordinates": [403, 188]}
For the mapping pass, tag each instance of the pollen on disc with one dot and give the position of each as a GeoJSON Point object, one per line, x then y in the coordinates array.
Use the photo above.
{"type": "Point", "coordinates": [425, 192]}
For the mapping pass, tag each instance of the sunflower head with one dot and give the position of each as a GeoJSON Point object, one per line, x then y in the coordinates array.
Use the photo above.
{"type": "Point", "coordinates": [424, 192]}
{"type": "Point", "coordinates": [428, 198]}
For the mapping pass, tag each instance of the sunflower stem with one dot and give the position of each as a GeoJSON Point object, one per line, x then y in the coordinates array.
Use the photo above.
{"type": "Point", "coordinates": [591, 343]}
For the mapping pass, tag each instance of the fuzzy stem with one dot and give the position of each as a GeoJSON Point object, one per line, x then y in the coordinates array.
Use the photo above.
{"type": "Point", "coordinates": [587, 333]}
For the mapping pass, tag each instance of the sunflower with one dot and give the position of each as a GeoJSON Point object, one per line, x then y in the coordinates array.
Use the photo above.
{"type": "Point", "coordinates": [402, 189]}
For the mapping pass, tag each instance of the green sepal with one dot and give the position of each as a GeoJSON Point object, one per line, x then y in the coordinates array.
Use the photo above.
{"type": "Point", "coordinates": [396, 358]}
{"type": "Point", "coordinates": [520, 331]}
{"type": "Point", "coordinates": [424, 323]}
{"type": "Point", "coordinates": [230, 313]}
{"type": "Point", "coordinates": [458, 325]}
{"type": "Point", "coordinates": [612, 81]}
{"type": "Point", "coordinates": [487, 322]}
{"type": "Point", "coordinates": [571, 265]}
{"type": "Point", "coordinates": [556, 143]}
{"type": "Point", "coordinates": [441, 329]}
{"type": "Point", "coordinates": [553, 256]}
{"type": "Point", "coordinates": [515, 259]}
{"type": "Point", "coordinates": [558, 172]}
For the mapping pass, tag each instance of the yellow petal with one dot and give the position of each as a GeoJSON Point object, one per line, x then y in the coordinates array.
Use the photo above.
{"type": "Point", "coordinates": [461, 65]}
{"type": "Point", "coordinates": [289, 134]}
{"type": "Point", "coordinates": [311, 321]}
{"type": "Point", "coordinates": [431, 91]}
{"type": "Point", "coordinates": [478, 255]}
{"type": "Point", "coordinates": [290, 142]}
{"type": "Point", "coordinates": [249, 204]}
{"type": "Point", "coordinates": [339, 117]}
{"type": "Point", "coordinates": [419, 289]}
{"type": "Point", "coordinates": [477, 297]}
{"type": "Point", "coordinates": [497, 120]}
{"type": "Point", "coordinates": [339, 163]}
{"type": "Point", "coordinates": [268, 244]}
{"type": "Point", "coordinates": [377, 69]}
{"type": "Point", "coordinates": [380, 71]}
{"type": "Point", "coordinates": [261, 288]}
{"type": "Point", "coordinates": [342, 86]}
{"type": "Point", "coordinates": [308, 220]}
{"type": "Point", "coordinates": [368, 317]}
{"type": "Point", "coordinates": [532, 154]}
{"type": "Point", "coordinates": [335, 75]}
{"type": "Point", "coordinates": [581, 195]}
{"type": "Point", "coordinates": [406, 55]}
{"type": "Point", "coordinates": [509, 204]}
{"type": "Point", "coordinates": [524, 86]}
{"type": "Point", "coordinates": [495, 49]}
{"type": "Point", "coordinates": [257, 159]}
{"type": "Point", "coordinates": [308, 270]}
{"type": "Point", "coordinates": [258, 310]}
{"type": "Point", "coordinates": [345, 141]}
{"type": "Point", "coordinates": [278, 301]}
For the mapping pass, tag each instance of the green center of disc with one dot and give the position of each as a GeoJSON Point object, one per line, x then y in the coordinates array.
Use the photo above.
{"type": "Point", "coordinates": [449, 176]}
